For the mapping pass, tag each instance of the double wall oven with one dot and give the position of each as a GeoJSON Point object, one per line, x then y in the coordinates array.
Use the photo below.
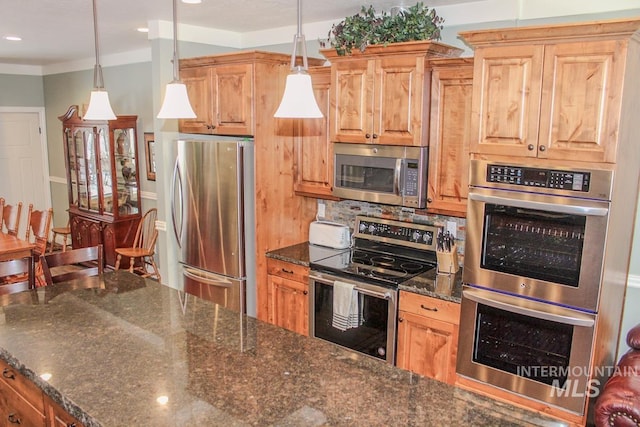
{"type": "Point", "coordinates": [532, 272]}
{"type": "Point", "coordinates": [384, 254]}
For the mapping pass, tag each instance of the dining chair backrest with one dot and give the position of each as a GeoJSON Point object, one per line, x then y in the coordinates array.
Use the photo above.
{"type": "Point", "coordinates": [16, 275]}
{"type": "Point", "coordinates": [38, 224]}
{"type": "Point", "coordinates": [73, 264]}
{"type": "Point", "coordinates": [147, 234]}
{"type": "Point", "coordinates": [10, 220]}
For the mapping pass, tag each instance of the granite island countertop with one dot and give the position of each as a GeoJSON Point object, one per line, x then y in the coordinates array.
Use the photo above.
{"type": "Point", "coordinates": [430, 283]}
{"type": "Point", "coordinates": [114, 345]}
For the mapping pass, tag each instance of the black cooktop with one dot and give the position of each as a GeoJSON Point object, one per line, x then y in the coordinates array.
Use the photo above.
{"type": "Point", "coordinates": [381, 263]}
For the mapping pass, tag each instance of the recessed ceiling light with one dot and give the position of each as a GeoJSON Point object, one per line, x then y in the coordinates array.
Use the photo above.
{"type": "Point", "coordinates": [13, 38]}
{"type": "Point", "coordinates": [143, 29]}
{"type": "Point", "coordinates": [192, 1]}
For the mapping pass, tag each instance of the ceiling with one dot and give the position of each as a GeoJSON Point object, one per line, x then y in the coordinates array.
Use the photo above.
{"type": "Point", "coordinates": [60, 31]}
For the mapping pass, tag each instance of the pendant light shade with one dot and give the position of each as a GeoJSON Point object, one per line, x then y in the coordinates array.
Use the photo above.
{"type": "Point", "coordinates": [176, 103]}
{"type": "Point", "coordinates": [99, 106]}
{"type": "Point", "coordinates": [298, 100]}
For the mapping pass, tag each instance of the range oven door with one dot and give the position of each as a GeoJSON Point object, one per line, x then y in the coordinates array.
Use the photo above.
{"type": "Point", "coordinates": [376, 334]}
{"type": "Point", "coordinates": [545, 247]}
{"type": "Point", "coordinates": [534, 349]}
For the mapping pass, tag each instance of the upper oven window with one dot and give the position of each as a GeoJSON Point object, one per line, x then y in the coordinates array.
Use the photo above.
{"type": "Point", "coordinates": [532, 243]}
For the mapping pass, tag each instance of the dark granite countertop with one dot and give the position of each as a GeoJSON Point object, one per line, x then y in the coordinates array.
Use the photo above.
{"type": "Point", "coordinates": [114, 345]}
{"type": "Point", "coordinates": [442, 286]}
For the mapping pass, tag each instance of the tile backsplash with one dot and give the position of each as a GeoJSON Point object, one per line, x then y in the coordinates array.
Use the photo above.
{"type": "Point", "coordinates": [345, 212]}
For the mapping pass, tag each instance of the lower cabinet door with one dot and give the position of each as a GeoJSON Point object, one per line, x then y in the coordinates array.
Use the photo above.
{"type": "Point", "coordinates": [15, 410]}
{"type": "Point", "coordinates": [427, 346]}
{"type": "Point", "coordinates": [289, 304]}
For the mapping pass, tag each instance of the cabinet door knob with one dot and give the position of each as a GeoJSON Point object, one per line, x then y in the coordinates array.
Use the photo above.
{"type": "Point", "coordinates": [284, 270]}
{"type": "Point", "coordinates": [400, 319]}
{"type": "Point", "coordinates": [305, 292]}
{"type": "Point", "coordinates": [530, 147]}
{"type": "Point", "coordinates": [14, 419]}
{"type": "Point", "coordinates": [375, 136]}
{"type": "Point", "coordinates": [429, 200]}
{"type": "Point", "coordinates": [424, 307]}
{"type": "Point", "coordinates": [542, 148]}
{"type": "Point", "coordinates": [367, 135]}
{"type": "Point", "coordinates": [7, 373]}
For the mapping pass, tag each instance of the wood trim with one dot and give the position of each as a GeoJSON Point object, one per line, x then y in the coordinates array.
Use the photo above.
{"type": "Point", "coordinates": [243, 57]}
{"type": "Point", "coordinates": [421, 47]}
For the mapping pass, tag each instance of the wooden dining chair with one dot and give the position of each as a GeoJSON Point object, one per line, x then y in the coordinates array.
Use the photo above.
{"type": "Point", "coordinates": [73, 264]}
{"type": "Point", "coordinates": [143, 247]}
{"type": "Point", "coordinates": [16, 275]}
{"type": "Point", "coordinates": [10, 220]}
{"type": "Point", "coordinates": [65, 232]}
{"type": "Point", "coordinates": [38, 224]}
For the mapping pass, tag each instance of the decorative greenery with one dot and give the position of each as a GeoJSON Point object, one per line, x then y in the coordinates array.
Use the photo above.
{"type": "Point", "coordinates": [366, 28]}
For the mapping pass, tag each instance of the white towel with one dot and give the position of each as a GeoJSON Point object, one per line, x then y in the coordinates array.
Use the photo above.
{"type": "Point", "coordinates": [345, 306]}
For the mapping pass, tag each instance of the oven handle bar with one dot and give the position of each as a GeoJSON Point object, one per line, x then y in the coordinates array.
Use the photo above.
{"type": "Point", "coordinates": [495, 302]}
{"type": "Point", "coordinates": [528, 204]}
{"type": "Point", "coordinates": [385, 295]}
{"type": "Point", "coordinates": [382, 295]}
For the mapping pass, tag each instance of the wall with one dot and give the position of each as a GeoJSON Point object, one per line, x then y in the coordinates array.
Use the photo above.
{"type": "Point", "coordinates": [21, 91]}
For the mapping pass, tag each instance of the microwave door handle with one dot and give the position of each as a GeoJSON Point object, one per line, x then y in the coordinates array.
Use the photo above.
{"type": "Point", "coordinates": [566, 318]}
{"type": "Point", "coordinates": [528, 204]}
{"type": "Point", "coordinates": [396, 177]}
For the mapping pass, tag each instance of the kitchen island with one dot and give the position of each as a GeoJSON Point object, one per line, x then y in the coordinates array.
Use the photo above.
{"type": "Point", "coordinates": [127, 351]}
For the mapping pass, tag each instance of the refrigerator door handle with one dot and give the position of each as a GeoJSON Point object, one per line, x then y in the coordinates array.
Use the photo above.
{"type": "Point", "coordinates": [209, 279]}
{"type": "Point", "coordinates": [177, 179]}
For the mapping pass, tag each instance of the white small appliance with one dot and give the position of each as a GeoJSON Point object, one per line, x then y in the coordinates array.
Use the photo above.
{"type": "Point", "coordinates": [330, 234]}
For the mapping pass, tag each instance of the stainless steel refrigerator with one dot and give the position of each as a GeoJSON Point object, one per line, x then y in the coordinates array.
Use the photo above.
{"type": "Point", "coordinates": [213, 220]}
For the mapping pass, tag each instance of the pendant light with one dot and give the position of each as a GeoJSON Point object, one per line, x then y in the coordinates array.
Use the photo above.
{"type": "Point", "coordinates": [298, 100]}
{"type": "Point", "coordinates": [99, 106]}
{"type": "Point", "coordinates": [176, 103]}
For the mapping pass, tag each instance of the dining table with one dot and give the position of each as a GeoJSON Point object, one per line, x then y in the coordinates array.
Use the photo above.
{"type": "Point", "coordinates": [12, 247]}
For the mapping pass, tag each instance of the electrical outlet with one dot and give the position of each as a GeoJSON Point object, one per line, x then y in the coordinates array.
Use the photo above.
{"type": "Point", "coordinates": [321, 210]}
{"type": "Point", "coordinates": [452, 227]}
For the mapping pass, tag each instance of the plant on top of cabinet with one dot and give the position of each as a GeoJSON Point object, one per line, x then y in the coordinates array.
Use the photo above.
{"type": "Point", "coordinates": [368, 28]}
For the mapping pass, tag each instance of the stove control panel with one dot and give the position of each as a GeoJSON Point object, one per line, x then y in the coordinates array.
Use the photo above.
{"type": "Point", "coordinates": [397, 232]}
{"type": "Point", "coordinates": [535, 177]}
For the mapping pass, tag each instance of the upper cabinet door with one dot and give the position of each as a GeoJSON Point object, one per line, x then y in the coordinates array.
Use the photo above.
{"type": "Point", "coordinates": [198, 83]}
{"type": "Point", "coordinates": [399, 97]}
{"type": "Point", "coordinates": [506, 100]}
{"type": "Point", "coordinates": [581, 97]}
{"type": "Point", "coordinates": [352, 99]}
{"type": "Point", "coordinates": [233, 99]}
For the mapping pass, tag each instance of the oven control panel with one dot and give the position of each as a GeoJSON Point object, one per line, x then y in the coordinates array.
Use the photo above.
{"type": "Point", "coordinates": [402, 233]}
{"type": "Point", "coordinates": [535, 177]}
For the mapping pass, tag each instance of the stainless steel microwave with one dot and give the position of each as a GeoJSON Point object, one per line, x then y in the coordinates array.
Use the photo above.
{"type": "Point", "coordinates": [387, 174]}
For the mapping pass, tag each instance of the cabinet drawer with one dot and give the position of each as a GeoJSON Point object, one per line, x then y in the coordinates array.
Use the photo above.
{"type": "Point", "coordinates": [288, 270]}
{"type": "Point", "coordinates": [433, 308]}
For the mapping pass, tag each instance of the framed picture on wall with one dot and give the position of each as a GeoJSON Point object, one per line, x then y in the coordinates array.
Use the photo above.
{"type": "Point", "coordinates": [150, 154]}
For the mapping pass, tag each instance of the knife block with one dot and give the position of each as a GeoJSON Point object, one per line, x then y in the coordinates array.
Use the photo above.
{"type": "Point", "coordinates": [448, 261]}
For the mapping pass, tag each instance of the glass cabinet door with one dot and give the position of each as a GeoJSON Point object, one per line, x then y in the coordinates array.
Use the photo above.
{"type": "Point", "coordinates": [126, 171]}
{"type": "Point", "coordinates": [80, 138]}
{"type": "Point", "coordinates": [73, 167]}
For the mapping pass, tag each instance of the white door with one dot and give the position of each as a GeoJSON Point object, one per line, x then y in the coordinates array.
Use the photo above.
{"type": "Point", "coordinates": [23, 165]}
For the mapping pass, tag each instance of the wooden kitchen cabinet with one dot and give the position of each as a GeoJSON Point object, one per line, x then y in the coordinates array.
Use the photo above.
{"type": "Point", "coordinates": [381, 95]}
{"type": "Point", "coordinates": [313, 161]}
{"type": "Point", "coordinates": [221, 96]}
{"type": "Point", "coordinates": [21, 401]}
{"type": "Point", "coordinates": [58, 417]}
{"type": "Point", "coordinates": [428, 336]}
{"type": "Point", "coordinates": [552, 92]}
{"type": "Point", "coordinates": [103, 181]}
{"type": "Point", "coordinates": [288, 286]}
{"type": "Point", "coordinates": [451, 92]}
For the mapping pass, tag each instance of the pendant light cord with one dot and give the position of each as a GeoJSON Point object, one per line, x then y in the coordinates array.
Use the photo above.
{"type": "Point", "coordinates": [175, 43]}
{"type": "Point", "coordinates": [298, 39]}
{"type": "Point", "coordinates": [98, 81]}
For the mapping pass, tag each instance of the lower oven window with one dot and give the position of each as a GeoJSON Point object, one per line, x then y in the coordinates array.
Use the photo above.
{"type": "Point", "coordinates": [533, 348]}
{"type": "Point", "coordinates": [370, 337]}
{"type": "Point", "coordinates": [533, 243]}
